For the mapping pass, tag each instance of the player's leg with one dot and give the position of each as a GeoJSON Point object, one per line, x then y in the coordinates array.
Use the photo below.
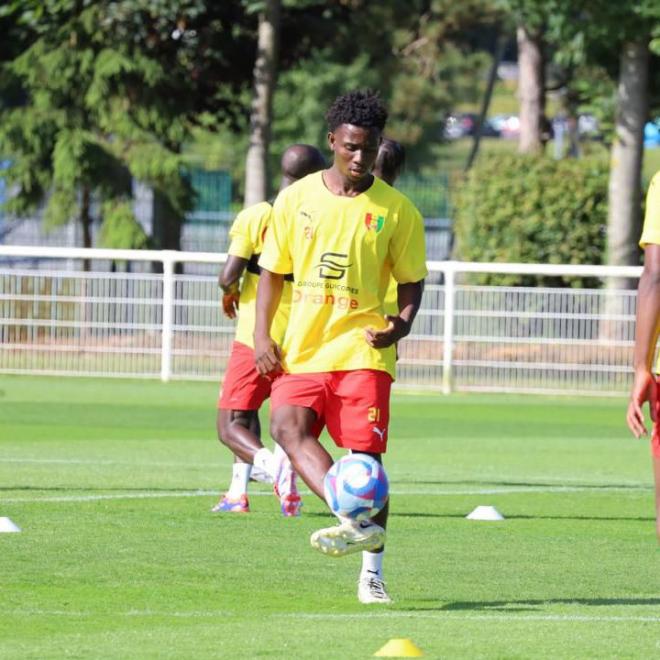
{"type": "Point", "coordinates": [361, 425]}
{"type": "Point", "coordinates": [655, 452]}
{"type": "Point", "coordinates": [244, 391]}
{"type": "Point", "coordinates": [656, 473]}
{"type": "Point", "coordinates": [371, 584]}
{"type": "Point", "coordinates": [358, 403]}
{"type": "Point", "coordinates": [243, 427]}
{"type": "Point", "coordinates": [292, 427]}
{"type": "Point", "coordinates": [240, 432]}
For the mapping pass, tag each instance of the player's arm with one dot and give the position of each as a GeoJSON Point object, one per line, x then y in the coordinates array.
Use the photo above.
{"type": "Point", "coordinates": [266, 351]}
{"type": "Point", "coordinates": [409, 297]}
{"type": "Point", "coordinates": [647, 330]}
{"type": "Point", "coordinates": [229, 282]}
{"type": "Point", "coordinates": [275, 261]}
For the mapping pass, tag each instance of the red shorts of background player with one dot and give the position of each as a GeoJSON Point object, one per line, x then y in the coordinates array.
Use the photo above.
{"type": "Point", "coordinates": [244, 388]}
{"type": "Point", "coordinates": [655, 437]}
{"type": "Point", "coordinates": [354, 404]}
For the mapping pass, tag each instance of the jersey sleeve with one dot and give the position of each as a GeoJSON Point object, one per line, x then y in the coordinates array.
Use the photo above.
{"type": "Point", "coordinates": [276, 255]}
{"type": "Point", "coordinates": [408, 247]}
{"type": "Point", "coordinates": [651, 232]}
{"type": "Point", "coordinates": [241, 235]}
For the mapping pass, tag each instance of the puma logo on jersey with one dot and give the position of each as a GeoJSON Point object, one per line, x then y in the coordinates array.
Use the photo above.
{"type": "Point", "coordinates": [379, 432]}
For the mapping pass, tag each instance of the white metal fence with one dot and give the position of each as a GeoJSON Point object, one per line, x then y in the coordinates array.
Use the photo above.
{"type": "Point", "coordinates": [64, 321]}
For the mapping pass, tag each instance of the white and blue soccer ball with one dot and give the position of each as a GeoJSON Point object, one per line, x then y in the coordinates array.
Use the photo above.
{"type": "Point", "coordinates": [356, 487]}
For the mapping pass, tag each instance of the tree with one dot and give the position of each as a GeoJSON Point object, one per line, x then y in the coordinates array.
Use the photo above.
{"type": "Point", "coordinates": [424, 57]}
{"type": "Point", "coordinates": [619, 40]}
{"type": "Point", "coordinates": [624, 209]}
{"type": "Point", "coordinates": [110, 91]}
{"type": "Point", "coordinates": [265, 76]}
{"type": "Point", "coordinates": [531, 88]}
{"type": "Point", "coordinates": [531, 19]}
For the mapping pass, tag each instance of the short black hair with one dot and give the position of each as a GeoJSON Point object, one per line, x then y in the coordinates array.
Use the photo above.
{"type": "Point", "coordinates": [390, 160]}
{"type": "Point", "coordinates": [362, 108]}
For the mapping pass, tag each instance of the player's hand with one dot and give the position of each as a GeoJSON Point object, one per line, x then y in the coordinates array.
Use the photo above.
{"type": "Point", "coordinates": [644, 389]}
{"type": "Point", "coordinates": [267, 356]}
{"type": "Point", "coordinates": [230, 304]}
{"type": "Point", "coordinates": [396, 329]}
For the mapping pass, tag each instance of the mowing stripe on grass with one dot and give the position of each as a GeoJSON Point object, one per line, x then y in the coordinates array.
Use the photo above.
{"type": "Point", "coordinates": [390, 614]}
{"type": "Point", "coordinates": [478, 617]}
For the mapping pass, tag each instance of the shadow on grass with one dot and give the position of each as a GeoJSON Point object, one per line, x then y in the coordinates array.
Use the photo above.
{"type": "Point", "coordinates": [528, 604]}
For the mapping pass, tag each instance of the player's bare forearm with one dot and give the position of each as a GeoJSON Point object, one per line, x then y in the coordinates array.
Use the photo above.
{"type": "Point", "coordinates": [269, 292]}
{"type": "Point", "coordinates": [647, 325]}
{"type": "Point", "coordinates": [409, 297]}
{"type": "Point", "coordinates": [231, 273]}
{"type": "Point", "coordinates": [647, 329]}
{"type": "Point", "coordinates": [409, 300]}
{"type": "Point", "coordinates": [228, 281]}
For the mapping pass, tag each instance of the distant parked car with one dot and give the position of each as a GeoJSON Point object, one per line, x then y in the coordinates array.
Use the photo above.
{"type": "Point", "coordinates": [652, 133]}
{"type": "Point", "coordinates": [508, 126]}
{"type": "Point", "coordinates": [464, 124]}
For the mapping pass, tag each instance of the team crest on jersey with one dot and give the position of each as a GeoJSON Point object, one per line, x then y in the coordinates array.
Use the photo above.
{"type": "Point", "coordinates": [375, 223]}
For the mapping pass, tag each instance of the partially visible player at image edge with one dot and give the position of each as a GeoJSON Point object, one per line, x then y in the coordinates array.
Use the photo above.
{"type": "Point", "coordinates": [646, 385]}
{"type": "Point", "coordinates": [343, 233]}
{"type": "Point", "coordinates": [244, 390]}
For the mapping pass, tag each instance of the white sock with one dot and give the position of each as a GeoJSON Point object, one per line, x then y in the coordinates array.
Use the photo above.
{"type": "Point", "coordinates": [266, 461]}
{"type": "Point", "coordinates": [239, 480]}
{"type": "Point", "coordinates": [372, 564]}
{"type": "Point", "coordinates": [278, 453]}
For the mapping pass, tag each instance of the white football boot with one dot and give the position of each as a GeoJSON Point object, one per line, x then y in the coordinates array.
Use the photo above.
{"type": "Point", "coordinates": [371, 590]}
{"type": "Point", "coordinates": [348, 537]}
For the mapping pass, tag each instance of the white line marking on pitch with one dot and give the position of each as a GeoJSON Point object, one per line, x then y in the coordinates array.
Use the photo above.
{"type": "Point", "coordinates": [82, 461]}
{"type": "Point", "coordinates": [396, 491]}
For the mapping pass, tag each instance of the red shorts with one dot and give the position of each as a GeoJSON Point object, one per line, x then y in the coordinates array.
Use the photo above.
{"type": "Point", "coordinates": [655, 436]}
{"type": "Point", "coordinates": [354, 404]}
{"type": "Point", "coordinates": [243, 388]}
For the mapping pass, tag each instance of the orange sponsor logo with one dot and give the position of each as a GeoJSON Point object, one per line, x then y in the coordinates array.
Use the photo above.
{"type": "Point", "coordinates": [341, 302]}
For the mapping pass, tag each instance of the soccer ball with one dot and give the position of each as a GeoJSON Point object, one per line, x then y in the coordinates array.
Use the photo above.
{"type": "Point", "coordinates": [356, 487]}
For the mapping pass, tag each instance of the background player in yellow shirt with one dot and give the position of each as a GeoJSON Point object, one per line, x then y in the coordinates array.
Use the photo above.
{"type": "Point", "coordinates": [389, 163]}
{"type": "Point", "coordinates": [343, 233]}
{"type": "Point", "coordinates": [646, 386]}
{"type": "Point", "coordinates": [244, 390]}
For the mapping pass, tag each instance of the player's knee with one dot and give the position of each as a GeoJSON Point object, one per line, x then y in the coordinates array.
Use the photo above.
{"type": "Point", "coordinates": [226, 423]}
{"type": "Point", "coordinates": [221, 425]}
{"type": "Point", "coordinates": [286, 433]}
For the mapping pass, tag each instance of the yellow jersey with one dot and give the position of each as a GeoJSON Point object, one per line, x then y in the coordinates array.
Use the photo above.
{"type": "Point", "coordinates": [342, 252]}
{"type": "Point", "coordinates": [247, 238]}
{"type": "Point", "coordinates": [651, 231]}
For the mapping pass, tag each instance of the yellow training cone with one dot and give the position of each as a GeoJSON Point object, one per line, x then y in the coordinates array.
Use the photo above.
{"type": "Point", "coordinates": [399, 648]}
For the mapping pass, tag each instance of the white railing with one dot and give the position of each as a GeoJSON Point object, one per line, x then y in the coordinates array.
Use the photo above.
{"type": "Point", "coordinates": [66, 321]}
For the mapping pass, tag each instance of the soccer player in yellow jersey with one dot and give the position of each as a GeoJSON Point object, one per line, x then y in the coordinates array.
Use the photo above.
{"type": "Point", "coordinates": [646, 385]}
{"type": "Point", "coordinates": [342, 233]}
{"type": "Point", "coordinates": [244, 389]}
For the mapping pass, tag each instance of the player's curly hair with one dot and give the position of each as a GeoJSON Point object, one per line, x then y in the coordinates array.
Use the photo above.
{"type": "Point", "coordinates": [362, 108]}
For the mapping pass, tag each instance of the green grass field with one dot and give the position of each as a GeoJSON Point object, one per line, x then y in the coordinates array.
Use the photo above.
{"type": "Point", "coordinates": [119, 557]}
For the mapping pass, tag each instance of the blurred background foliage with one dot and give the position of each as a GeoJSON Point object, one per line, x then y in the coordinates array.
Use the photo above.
{"type": "Point", "coordinates": [94, 95]}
